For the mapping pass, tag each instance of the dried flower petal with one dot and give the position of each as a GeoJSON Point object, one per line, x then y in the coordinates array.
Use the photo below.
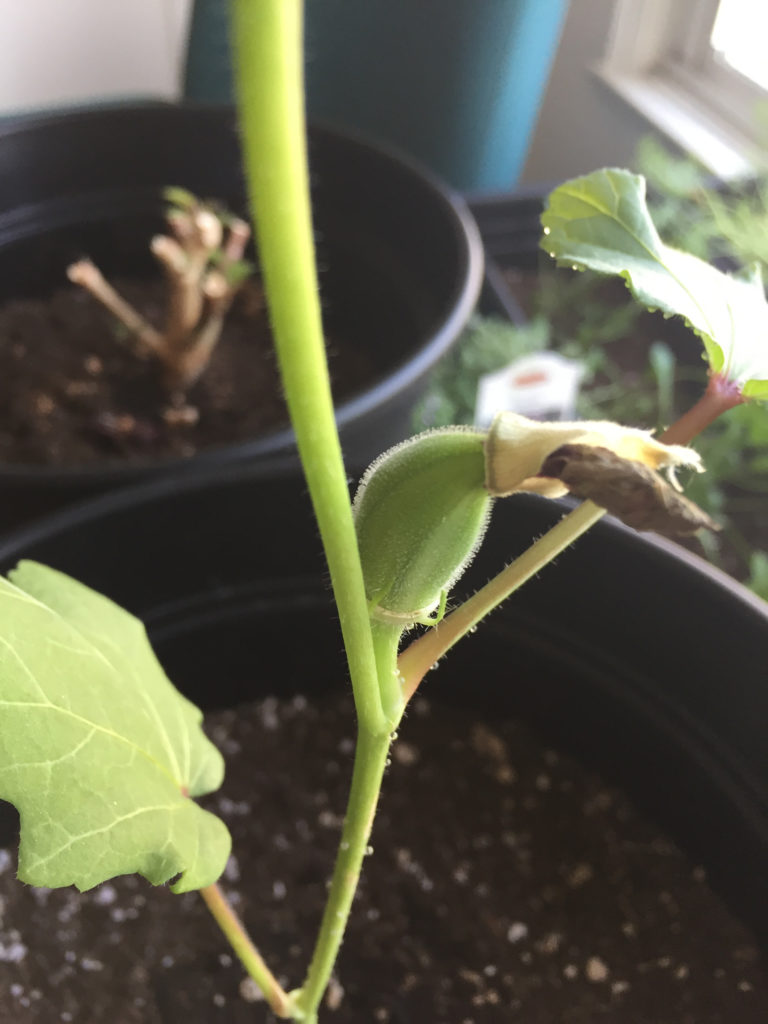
{"type": "Point", "coordinates": [627, 489]}
{"type": "Point", "coordinates": [516, 448]}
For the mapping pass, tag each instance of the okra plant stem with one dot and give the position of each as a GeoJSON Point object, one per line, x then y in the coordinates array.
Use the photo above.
{"type": "Point", "coordinates": [268, 49]}
{"type": "Point", "coordinates": [370, 762]}
{"type": "Point", "coordinates": [269, 60]}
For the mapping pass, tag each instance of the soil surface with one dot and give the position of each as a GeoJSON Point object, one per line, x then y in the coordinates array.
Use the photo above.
{"type": "Point", "coordinates": [506, 883]}
{"type": "Point", "coordinates": [73, 390]}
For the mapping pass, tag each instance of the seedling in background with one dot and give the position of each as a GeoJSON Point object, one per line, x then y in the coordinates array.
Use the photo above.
{"type": "Point", "coordinates": [202, 258]}
{"type": "Point", "coordinates": [81, 695]}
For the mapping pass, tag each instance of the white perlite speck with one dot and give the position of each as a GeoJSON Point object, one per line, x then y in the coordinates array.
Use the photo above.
{"type": "Point", "coordinates": [269, 716]}
{"type": "Point", "coordinates": [596, 969]}
{"type": "Point", "coordinates": [517, 932]}
{"type": "Point", "coordinates": [250, 991]}
{"type": "Point", "coordinates": [279, 890]}
{"type": "Point", "coordinates": [105, 895]}
{"type": "Point", "coordinates": [12, 952]}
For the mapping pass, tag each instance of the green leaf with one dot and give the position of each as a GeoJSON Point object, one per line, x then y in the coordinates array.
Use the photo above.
{"type": "Point", "coordinates": [98, 751]}
{"type": "Point", "coordinates": [601, 222]}
{"type": "Point", "coordinates": [758, 573]}
{"type": "Point", "coordinates": [181, 198]}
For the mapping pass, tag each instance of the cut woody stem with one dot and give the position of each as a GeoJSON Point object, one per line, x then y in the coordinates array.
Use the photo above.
{"type": "Point", "coordinates": [87, 275]}
{"type": "Point", "coordinates": [199, 295]}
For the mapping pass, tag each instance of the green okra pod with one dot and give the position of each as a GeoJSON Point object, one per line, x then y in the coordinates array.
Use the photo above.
{"type": "Point", "coordinates": [420, 513]}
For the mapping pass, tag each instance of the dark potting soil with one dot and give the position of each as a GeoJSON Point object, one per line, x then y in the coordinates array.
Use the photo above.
{"type": "Point", "coordinates": [506, 883]}
{"type": "Point", "coordinates": [74, 392]}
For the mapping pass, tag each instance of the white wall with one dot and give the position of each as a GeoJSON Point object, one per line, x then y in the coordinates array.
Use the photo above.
{"type": "Point", "coordinates": [582, 124]}
{"type": "Point", "coordinates": [56, 52]}
{"type": "Point", "coordinates": [70, 51]}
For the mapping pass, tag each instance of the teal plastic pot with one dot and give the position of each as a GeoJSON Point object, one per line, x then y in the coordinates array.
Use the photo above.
{"type": "Point", "coordinates": [455, 83]}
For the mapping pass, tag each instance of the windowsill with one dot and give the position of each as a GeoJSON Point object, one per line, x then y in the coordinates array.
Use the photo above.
{"type": "Point", "coordinates": [687, 121]}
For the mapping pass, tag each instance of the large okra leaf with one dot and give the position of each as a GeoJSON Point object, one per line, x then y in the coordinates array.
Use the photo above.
{"type": "Point", "coordinates": [98, 751]}
{"type": "Point", "coordinates": [601, 222]}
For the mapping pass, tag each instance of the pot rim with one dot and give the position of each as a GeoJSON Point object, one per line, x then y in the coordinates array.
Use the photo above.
{"type": "Point", "coordinates": [286, 466]}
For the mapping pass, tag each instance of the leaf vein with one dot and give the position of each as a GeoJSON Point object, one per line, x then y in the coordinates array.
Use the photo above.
{"type": "Point", "coordinates": [42, 861]}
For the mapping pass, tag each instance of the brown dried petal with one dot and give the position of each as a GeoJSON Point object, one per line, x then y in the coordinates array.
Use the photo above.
{"type": "Point", "coordinates": [628, 490]}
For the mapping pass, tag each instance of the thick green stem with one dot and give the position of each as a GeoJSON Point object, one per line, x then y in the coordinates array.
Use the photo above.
{"type": "Point", "coordinates": [416, 660]}
{"type": "Point", "coordinates": [370, 761]}
{"type": "Point", "coordinates": [386, 640]}
{"type": "Point", "coordinates": [249, 956]}
{"type": "Point", "coordinates": [269, 73]}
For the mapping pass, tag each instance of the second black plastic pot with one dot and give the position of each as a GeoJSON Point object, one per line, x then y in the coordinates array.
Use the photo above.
{"type": "Point", "coordinates": [400, 256]}
{"type": "Point", "coordinates": [637, 657]}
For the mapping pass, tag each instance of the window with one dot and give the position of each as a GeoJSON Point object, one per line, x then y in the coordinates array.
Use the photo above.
{"type": "Point", "coordinates": [738, 39]}
{"type": "Point", "coordinates": [697, 70]}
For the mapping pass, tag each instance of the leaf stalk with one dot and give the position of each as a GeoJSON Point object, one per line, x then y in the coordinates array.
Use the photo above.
{"type": "Point", "coordinates": [231, 925]}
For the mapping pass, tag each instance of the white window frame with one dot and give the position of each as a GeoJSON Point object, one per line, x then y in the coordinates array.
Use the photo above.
{"type": "Point", "coordinates": [659, 59]}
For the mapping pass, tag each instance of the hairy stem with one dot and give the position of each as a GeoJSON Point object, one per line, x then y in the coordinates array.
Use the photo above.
{"type": "Point", "coordinates": [269, 63]}
{"type": "Point", "coordinates": [269, 74]}
{"type": "Point", "coordinates": [370, 762]}
{"type": "Point", "coordinates": [416, 660]}
{"type": "Point", "coordinates": [249, 956]}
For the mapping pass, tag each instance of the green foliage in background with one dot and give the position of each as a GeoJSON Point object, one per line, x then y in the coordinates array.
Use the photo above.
{"type": "Point", "coordinates": [586, 317]}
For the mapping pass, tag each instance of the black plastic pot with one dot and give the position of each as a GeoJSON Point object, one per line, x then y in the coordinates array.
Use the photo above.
{"type": "Point", "coordinates": [400, 255]}
{"type": "Point", "coordinates": [632, 654]}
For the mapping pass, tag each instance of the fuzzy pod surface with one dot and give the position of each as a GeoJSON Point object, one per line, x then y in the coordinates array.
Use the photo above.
{"type": "Point", "coordinates": [420, 513]}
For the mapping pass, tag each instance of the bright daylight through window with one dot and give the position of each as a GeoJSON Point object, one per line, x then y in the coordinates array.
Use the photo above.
{"type": "Point", "coordinates": [738, 38]}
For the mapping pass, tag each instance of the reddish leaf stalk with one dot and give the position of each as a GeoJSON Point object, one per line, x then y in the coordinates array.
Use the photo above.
{"type": "Point", "coordinates": [720, 396]}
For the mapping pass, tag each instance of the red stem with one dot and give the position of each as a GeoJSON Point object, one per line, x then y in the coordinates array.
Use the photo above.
{"type": "Point", "coordinates": [720, 396]}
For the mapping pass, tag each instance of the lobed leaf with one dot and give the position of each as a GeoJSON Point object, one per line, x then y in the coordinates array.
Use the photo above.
{"type": "Point", "coordinates": [601, 222]}
{"type": "Point", "coordinates": [99, 752]}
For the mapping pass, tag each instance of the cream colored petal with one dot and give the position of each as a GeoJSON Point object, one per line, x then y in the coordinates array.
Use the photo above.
{"type": "Point", "coordinates": [516, 447]}
{"type": "Point", "coordinates": [546, 486]}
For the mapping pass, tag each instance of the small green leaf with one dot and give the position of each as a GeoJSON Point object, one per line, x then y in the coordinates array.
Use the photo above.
{"type": "Point", "coordinates": [98, 751]}
{"type": "Point", "coordinates": [601, 222]}
{"type": "Point", "coordinates": [181, 198]}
